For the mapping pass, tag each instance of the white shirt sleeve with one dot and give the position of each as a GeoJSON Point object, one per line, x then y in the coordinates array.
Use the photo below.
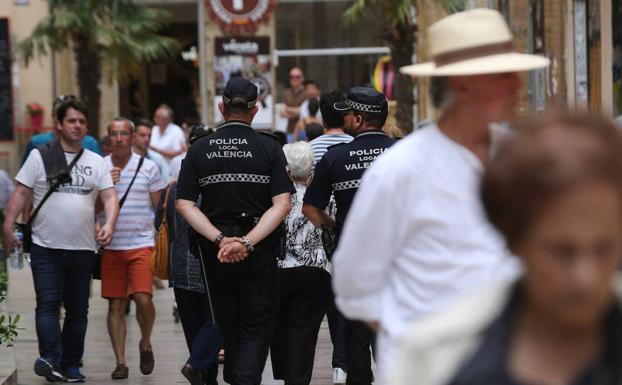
{"type": "Point", "coordinates": [304, 110]}
{"type": "Point", "coordinates": [31, 170]}
{"type": "Point", "coordinates": [104, 180]}
{"type": "Point", "coordinates": [367, 247]}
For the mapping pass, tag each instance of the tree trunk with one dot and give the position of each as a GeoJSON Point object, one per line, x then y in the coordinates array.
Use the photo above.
{"type": "Point", "coordinates": [402, 44]}
{"type": "Point", "coordinates": [89, 74]}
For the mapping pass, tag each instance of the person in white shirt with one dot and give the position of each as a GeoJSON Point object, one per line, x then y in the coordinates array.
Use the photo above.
{"type": "Point", "coordinates": [433, 241]}
{"type": "Point", "coordinates": [64, 236]}
{"type": "Point", "coordinates": [167, 138]}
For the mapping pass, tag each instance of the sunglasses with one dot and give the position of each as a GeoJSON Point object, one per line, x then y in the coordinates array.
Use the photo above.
{"type": "Point", "coordinates": [120, 133]}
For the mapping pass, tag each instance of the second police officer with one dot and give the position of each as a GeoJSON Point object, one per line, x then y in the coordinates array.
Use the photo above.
{"type": "Point", "coordinates": [245, 194]}
{"type": "Point", "coordinates": [339, 172]}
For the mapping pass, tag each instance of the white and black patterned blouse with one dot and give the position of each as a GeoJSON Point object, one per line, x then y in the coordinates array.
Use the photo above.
{"type": "Point", "coordinates": [304, 240]}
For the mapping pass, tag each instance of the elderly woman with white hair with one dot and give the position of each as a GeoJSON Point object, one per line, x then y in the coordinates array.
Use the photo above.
{"type": "Point", "coordinates": [305, 281]}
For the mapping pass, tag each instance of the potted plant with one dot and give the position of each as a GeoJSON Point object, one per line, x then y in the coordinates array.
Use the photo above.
{"type": "Point", "coordinates": [8, 323]}
{"type": "Point", "coordinates": [35, 111]}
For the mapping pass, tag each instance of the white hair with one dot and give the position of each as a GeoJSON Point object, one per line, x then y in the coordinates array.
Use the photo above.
{"type": "Point", "coordinates": [166, 111]}
{"type": "Point", "coordinates": [299, 159]}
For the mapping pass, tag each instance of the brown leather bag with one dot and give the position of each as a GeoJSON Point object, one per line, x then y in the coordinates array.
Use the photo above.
{"type": "Point", "coordinates": [160, 256]}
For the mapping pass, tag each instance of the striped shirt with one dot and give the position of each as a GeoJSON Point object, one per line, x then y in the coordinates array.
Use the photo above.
{"type": "Point", "coordinates": [321, 144]}
{"type": "Point", "coordinates": [134, 228]}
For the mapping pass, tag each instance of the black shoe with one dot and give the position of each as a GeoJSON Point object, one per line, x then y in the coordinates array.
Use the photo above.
{"type": "Point", "coordinates": [193, 377]}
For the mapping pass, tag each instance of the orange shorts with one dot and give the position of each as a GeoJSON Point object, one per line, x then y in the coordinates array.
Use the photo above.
{"type": "Point", "coordinates": [125, 272]}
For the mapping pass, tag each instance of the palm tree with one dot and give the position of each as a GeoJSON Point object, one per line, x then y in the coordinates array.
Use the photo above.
{"type": "Point", "coordinates": [399, 34]}
{"type": "Point", "coordinates": [115, 35]}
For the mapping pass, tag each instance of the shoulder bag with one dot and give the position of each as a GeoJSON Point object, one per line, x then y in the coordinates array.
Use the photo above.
{"type": "Point", "coordinates": [160, 255]}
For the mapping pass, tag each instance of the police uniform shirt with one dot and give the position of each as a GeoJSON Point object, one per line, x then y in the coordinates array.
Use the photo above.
{"type": "Point", "coordinates": [340, 171]}
{"type": "Point", "coordinates": [235, 170]}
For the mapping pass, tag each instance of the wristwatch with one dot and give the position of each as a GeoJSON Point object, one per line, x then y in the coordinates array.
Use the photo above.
{"type": "Point", "coordinates": [249, 246]}
{"type": "Point", "coordinates": [219, 238]}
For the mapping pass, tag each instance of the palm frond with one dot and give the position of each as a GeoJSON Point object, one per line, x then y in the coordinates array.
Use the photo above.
{"type": "Point", "coordinates": [126, 33]}
{"type": "Point", "coordinates": [453, 6]}
{"type": "Point", "coordinates": [393, 11]}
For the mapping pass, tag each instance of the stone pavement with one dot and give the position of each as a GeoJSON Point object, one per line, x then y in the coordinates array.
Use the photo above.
{"type": "Point", "coordinates": [168, 341]}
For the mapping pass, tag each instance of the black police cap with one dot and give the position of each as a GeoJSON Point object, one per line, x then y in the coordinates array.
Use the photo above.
{"type": "Point", "coordinates": [363, 99]}
{"type": "Point", "coordinates": [240, 92]}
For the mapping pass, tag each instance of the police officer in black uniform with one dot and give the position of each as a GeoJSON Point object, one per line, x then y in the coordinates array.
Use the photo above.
{"type": "Point", "coordinates": [245, 193]}
{"type": "Point", "coordinates": [340, 171]}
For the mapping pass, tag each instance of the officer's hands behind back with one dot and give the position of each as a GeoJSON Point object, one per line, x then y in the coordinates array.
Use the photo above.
{"type": "Point", "coordinates": [232, 250]}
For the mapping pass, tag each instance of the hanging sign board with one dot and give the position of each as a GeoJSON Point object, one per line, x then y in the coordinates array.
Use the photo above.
{"type": "Point", "coordinates": [248, 57]}
{"type": "Point", "coordinates": [236, 16]}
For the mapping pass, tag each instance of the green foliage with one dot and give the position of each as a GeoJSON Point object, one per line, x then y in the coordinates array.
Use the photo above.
{"type": "Point", "coordinates": [453, 6]}
{"type": "Point", "coordinates": [3, 276]}
{"type": "Point", "coordinates": [123, 32]}
{"type": "Point", "coordinates": [395, 11]}
{"type": "Point", "coordinates": [8, 324]}
{"type": "Point", "coordinates": [8, 327]}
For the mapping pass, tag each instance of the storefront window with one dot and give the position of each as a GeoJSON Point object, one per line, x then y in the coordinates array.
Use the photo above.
{"type": "Point", "coordinates": [318, 25]}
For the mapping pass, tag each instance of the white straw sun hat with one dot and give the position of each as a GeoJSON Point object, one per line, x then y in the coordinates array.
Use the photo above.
{"type": "Point", "coordinates": [473, 42]}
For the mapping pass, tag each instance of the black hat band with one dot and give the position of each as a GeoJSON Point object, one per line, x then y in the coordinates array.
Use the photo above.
{"type": "Point", "coordinates": [229, 101]}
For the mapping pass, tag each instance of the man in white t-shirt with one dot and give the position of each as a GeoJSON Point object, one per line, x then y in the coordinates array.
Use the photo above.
{"type": "Point", "coordinates": [167, 138]}
{"type": "Point", "coordinates": [125, 264]}
{"type": "Point", "coordinates": [63, 239]}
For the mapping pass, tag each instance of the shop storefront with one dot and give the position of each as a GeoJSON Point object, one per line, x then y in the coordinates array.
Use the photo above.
{"type": "Point", "coordinates": [583, 39]}
{"type": "Point", "coordinates": [259, 39]}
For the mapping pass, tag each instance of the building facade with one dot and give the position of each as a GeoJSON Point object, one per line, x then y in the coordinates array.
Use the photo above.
{"type": "Point", "coordinates": [264, 39]}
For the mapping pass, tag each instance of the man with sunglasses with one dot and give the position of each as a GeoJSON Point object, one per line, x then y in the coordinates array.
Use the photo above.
{"type": "Point", "coordinates": [88, 142]}
{"type": "Point", "coordinates": [339, 172]}
{"type": "Point", "coordinates": [293, 97]}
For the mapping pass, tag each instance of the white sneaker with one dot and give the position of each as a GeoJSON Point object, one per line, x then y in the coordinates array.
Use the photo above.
{"type": "Point", "coordinates": [339, 376]}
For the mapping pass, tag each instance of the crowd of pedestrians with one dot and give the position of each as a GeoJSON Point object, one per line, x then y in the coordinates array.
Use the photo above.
{"type": "Point", "coordinates": [465, 253]}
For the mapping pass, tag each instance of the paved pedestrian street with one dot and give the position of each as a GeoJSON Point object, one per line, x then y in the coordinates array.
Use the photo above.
{"type": "Point", "coordinates": [168, 341]}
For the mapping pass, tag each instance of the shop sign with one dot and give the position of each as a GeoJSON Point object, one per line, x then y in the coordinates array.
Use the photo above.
{"type": "Point", "coordinates": [248, 57]}
{"type": "Point", "coordinates": [240, 15]}
{"type": "Point", "coordinates": [239, 45]}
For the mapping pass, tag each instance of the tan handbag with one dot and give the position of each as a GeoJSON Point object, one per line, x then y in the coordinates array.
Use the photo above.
{"type": "Point", "coordinates": [160, 256]}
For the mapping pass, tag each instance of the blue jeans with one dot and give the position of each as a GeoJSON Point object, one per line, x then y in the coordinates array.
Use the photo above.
{"type": "Point", "coordinates": [61, 277]}
{"type": "Point", "coordinates": [202, 336]}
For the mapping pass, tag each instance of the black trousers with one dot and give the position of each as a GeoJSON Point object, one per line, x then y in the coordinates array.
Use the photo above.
{"type": "Point", "coordinates": [336, 328]}
{"type": "Point", "coordinates": [245, 304]}
{"type": "Point", "coordinates": [304, 298]}
{"type": "Point", "coordinates": [200, 333]}
{"type": "Point", "coordinates": [359, 340]}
